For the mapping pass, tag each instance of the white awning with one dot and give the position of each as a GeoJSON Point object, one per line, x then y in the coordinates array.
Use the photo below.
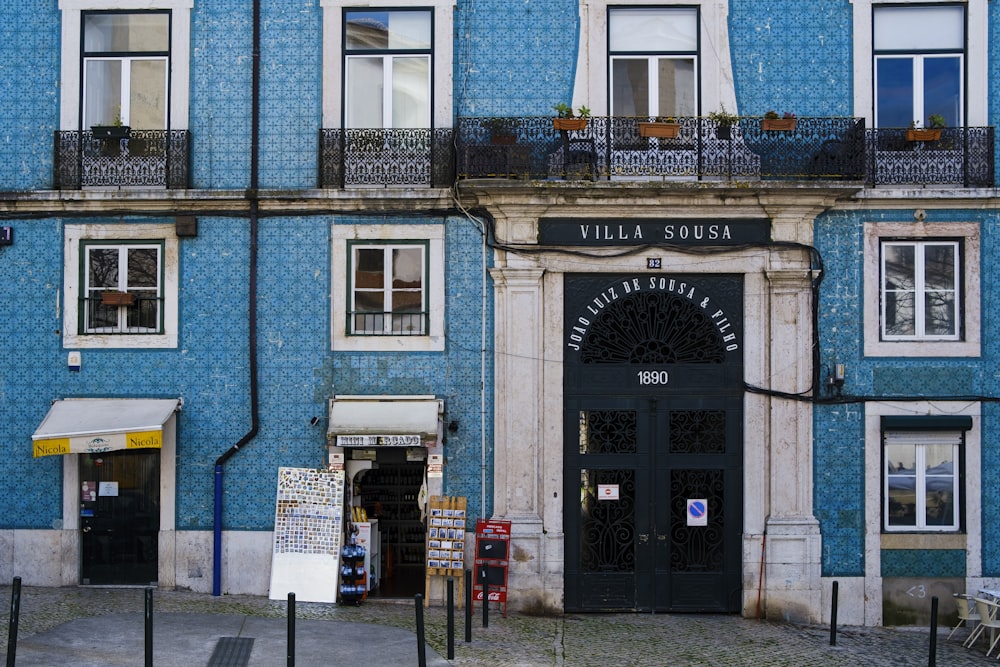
{"type": "Point", "coordinates": [383, 420]}
{"type": "Point", "coordinates": [92, 425]}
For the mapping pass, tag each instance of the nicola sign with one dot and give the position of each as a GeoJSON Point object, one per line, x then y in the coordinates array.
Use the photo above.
{"type": "Point", "coordinates": [629, 231]}
{"type": "Point", "coordinates": [95, 444]}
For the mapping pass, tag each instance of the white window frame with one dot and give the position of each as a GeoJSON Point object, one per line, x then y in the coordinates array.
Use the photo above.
{"type": "Point", "coordinates": [968, 306]}
{"type": "Point", "coordinates": [119, 234]}
{"type": "Point", "coordinates": [122, 285]}
{"type": "Point", "coordinates": [341, 285]}
{"type": "Point", "coordinates": [922, 441]}
{"type": "Point", "coordinates": [713, 71]}
{"type": "Point", "coordinates": [442, 50]}
{"type": "Point", "coordinates": [180, 49]}
{"type": "Point", "coordinates": [387, 317]}
{"type": "Point", "coordinates": [976, 58]}
{"type": "Point", "coordinates": [920, 289]}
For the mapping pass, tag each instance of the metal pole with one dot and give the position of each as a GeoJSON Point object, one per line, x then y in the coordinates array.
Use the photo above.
{"type": "Point", "coordinates": [149, 627]}
{"type": "Point", "coordinates": [468, 606]}
{"type": "Point", "coordinates": [833, 615]}
{"type": "Point", "coordinates": [483, 569]}
{"type": "Point", "coordinates": [15, 613]}
{"type": "Point", "coordinates": [932, 658]}
{"type": "Point", "coordinates": [291, 630]}
{"type": "Point", "coordinates": [418, 601]}
{"type": "Point", "coordinates": [451, 618]}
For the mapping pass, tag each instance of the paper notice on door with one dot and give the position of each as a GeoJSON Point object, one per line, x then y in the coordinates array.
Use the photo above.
{"type": "Point", "coordinates": [607, 492]}
{"type": "Point", "coordinates": [107, 489]}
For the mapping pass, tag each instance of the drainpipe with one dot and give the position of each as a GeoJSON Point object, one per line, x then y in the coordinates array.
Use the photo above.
{"type": "Point", "coordinates": [252, 306]}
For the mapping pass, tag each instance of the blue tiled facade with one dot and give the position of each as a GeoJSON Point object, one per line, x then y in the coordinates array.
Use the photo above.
{"type": "Point", "coordinates": [509, 60]}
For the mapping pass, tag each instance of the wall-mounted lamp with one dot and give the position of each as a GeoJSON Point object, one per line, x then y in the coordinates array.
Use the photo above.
{"type": "Point", "coordinates": [453, 426]}
{"type": "Point", "coordinates": [835, 380]}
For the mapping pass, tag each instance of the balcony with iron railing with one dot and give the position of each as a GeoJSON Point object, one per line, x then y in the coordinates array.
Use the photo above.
{"type": "Point", "coordinates": [392, 323]}
{"type": "Point", "coordinates": [129, 158]}
{"type": "Point", "coordinates": [692, 148]}
{"type": "Point", "coordinates": [386, 157]}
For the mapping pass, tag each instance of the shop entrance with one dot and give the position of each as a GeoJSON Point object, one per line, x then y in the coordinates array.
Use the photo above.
{"type": "Point", "coordinates": [390, 493]}
{"type": "Point", "coordinates": [653, 431]}
{"type": "Point", "coordinates": [119, 517]}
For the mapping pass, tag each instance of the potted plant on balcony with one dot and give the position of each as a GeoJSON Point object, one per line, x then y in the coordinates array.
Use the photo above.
{"type": "Point", "coordinates": [116, 298]}
{"type": "Point", "coordinates": [724, 122]}
{"type": "Point", "coordinates": [662, 128]}
{"type": "Point", "coordinates": [935, 123]}
{"type": "Point", "coordinates": [503, 131]}
{"type": "Point", "coordinates": [772, 121]}
{"type": "Point", "coordinates": [117, 130]}
{"type": "Point", "coordinates": [565, 120]}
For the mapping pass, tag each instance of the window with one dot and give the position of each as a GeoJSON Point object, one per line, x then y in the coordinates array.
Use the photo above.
{"type": "Point", "coordinates": [653, 61]}
{"type": "Point", "coordinates": [388, 294]}
{"type": "Point", "coordinates": [922, 475]}
{"type": "Point", "coordinates": [920, 290]}
{"type": "Point", "coordinates": [122, 288]}
{"type": "Point", "coordinates": [387, 68]}
{"type": "Point", "coordinates": [919, 63]}
{"type": "Point", "coordinates": [126, 57]}
{"type": "Point", "coordinates": [127, 54]}
{"type": "Point", "coordinates": [387, 287]}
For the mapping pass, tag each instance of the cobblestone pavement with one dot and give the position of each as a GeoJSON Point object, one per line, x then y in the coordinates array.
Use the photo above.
{"type": "Point", "coordinates": [572, 640]}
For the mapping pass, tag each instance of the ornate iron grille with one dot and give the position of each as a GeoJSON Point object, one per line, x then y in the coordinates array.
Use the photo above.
{"type": "Point", "coordinates": [143, 316]}
{"type": "Point", "coordinates": [608, 432]}
{"type": "Point", "coordinates": [386, 157]}
{"type": "Point", "coordinates": [388, 324]}
{"type": "Point", "coordinates": [698, 431]}
{"type": "Point", "coordinates": [142, 158]}
{"type": "Point", "coordinates": [960, 156]}
{"type": "Point", "coordinates": [607, 527]}
{"type": "Point", "coordinates": [614, 147]}
{"type": "Point", "coordinates": [697, 548]}
{"type": "Point", "coordinates": [652, 328]}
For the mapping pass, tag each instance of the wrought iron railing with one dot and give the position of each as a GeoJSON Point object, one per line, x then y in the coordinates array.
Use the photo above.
{"type": "Point", "coordinates": [127, 314]}
{"type": "Point", "coordinates": [956, 156]}
{"type": "Point", "coordinates": [367, 323]}
{"type": "Point", "coordinates": [703, 149]}
{"type": "Point", "coordinates": [378, 157]}
{"type": "Point", "coordinates": [140, 158]}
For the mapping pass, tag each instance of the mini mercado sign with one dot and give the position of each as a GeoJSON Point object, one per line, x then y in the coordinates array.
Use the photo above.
{"type": "Point", "coordinates": [631, 231]}
{"type": "Point", "coordinates": [378, 441]}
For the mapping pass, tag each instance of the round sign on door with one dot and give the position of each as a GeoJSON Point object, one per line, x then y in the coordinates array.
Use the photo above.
{"type": "Point", "coordinates": [697, 512]}
{"type": "Point", "coordinates": [607, 492]}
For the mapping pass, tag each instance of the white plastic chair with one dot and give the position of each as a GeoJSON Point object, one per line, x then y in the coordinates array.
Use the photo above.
{"type": "Point", "coordinates": [966, 606]}
{"type": "Point", "coordinates": [987, 610]}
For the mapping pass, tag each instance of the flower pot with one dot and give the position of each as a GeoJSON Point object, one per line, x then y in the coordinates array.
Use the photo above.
{"type": "Point", "coordinates": [660, 130]}
{"type": "Point", "coordinates": [564, 124]}
{"type": "Point", "coordinates": [927, 134]}
{"type": "Point", "coordinates": [778, 124]}
{"type": "Point", "coordinates": [117, 299]}
{"type": "Point", "coordinates": [503, 139]}
{"type": "Point", "coordinates": [724, 132]}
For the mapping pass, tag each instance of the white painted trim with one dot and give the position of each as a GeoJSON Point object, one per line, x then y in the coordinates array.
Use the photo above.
{"type": "Point", "coordinates": [339, 235]}
{"type": "Point", "coordinates": [180, 56]}
{"type": "Point", "coordinates": [873, 490]}
{"type": "Point", "coordinates": [74, 234]}
{"type": "Point", "coordinates": [970, 347]}
{"type": "Point", "coordinates": [716, 84]}
{"type": "Point", "coordinates": [976, 62]}
{"type": "Point", "coordinates": [443, 55]}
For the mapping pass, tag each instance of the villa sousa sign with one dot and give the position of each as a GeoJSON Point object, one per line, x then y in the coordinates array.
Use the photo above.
{"type": "Point", "coordinates": [631, 231]}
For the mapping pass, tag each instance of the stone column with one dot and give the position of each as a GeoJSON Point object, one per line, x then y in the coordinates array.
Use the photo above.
{"type": "Point", "coordinates": [793, 558]}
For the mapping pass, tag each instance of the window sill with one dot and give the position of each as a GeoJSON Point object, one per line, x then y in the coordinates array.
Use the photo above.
{"type": "Point", "coordinates": [120, 341]}
{"type": "Point", "coordinates": [935, 540]}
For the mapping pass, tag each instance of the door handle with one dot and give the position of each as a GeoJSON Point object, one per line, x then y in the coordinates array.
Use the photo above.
{"type": "Point", "coordinates": [643, 538]}
{"type": "Point", "coordinates": [86, 529]}
{"type": "Point", "coordinates": [661, 538]}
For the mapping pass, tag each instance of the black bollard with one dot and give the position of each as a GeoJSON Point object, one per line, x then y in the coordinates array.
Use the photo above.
{"type": "Point", "coordinates": [833, 616]}
{"type": "Point", "coordinates": [482, 571]}
{"type": "Point", "coordinates": [451, 618]}
{"type": "Point", "coordinates": [468, 606]}
{"type": "Point", "coordinates": [932, 658]}
{"type": "Point", "coordinates": [15, 614]}
{"type": "Point", "coordinates": [149, 627]}
{"type": "Point", "coordinates": [291, 630]}
{"type": "Point", "coordinates": [418, 601]}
